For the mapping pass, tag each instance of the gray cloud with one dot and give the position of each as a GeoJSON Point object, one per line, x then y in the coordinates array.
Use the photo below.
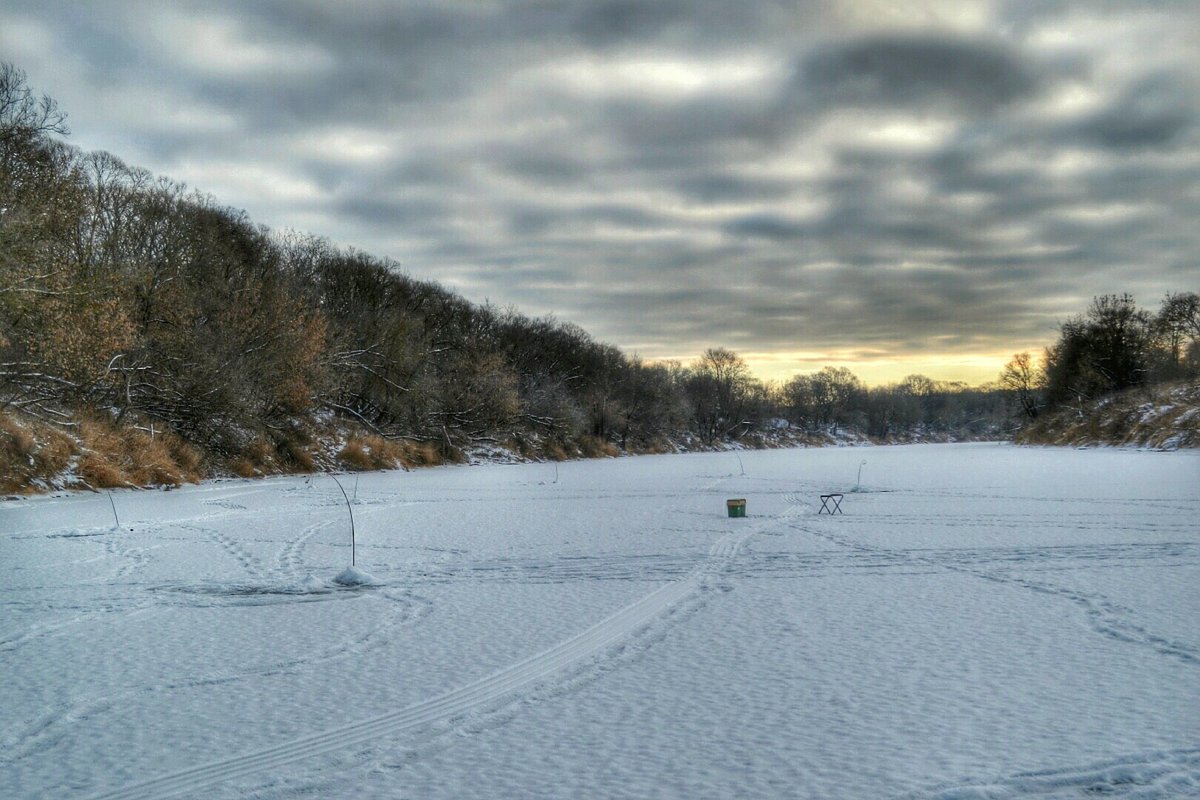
{"type": "Point", "coordinates": [775, 177]}
{"type": "Point", "coordinates": [977, 76]}
{"type": "Point", "coordinates": [1154, 112]}
{"type": "Point", "coordinates": [617, 22]}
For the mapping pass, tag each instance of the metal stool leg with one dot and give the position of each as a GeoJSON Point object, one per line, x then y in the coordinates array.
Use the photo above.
{"type": "Point", "coordinates": [831, 504]}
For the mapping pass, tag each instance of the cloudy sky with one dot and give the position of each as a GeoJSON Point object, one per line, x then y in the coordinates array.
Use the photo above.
{"type": "Point", "coordinates": [894, 187]}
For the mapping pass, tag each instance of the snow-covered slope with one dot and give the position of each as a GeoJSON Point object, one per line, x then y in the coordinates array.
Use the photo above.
{"type": "Point", "coordinates": [1163, 417]}
{"type": "Point", "coordinates": [983, 621]}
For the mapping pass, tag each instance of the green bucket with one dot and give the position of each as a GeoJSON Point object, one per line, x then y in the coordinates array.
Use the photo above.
{"type": "Point", "coordinates": [737, 508]}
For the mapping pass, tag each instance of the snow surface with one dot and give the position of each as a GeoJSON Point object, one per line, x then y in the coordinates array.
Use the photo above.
{"type": "Point", "coordinates": [984, 621]}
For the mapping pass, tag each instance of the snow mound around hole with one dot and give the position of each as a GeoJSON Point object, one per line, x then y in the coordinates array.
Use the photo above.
{"type": "Point", "coordinates": [311, 583]}
{"type": "Point", "coordinates": [353, 576]}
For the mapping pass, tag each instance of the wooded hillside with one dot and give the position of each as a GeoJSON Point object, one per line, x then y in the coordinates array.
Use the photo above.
{"type": "Point", "coordinates": [149, 334]}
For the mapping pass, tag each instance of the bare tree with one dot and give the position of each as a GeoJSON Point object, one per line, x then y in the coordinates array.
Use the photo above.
{"type": "Point", "coordinates": [1020, 376]}
{"type": "Point", "coordinates": [719, 387]}
{"type": "Point", "coordinates": [1177, 328]}
{"type": "Point", "coordinates": [24, 115]}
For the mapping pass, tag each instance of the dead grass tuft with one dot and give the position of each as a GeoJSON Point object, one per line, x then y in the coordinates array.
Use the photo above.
{"type": "Point", "coordinates": [593, 447]}
{"type": "Point", "coordinates": [127, 456]}
{"type": "Point", "coordinates": [297, 456]}
{"type": "Point", "coordinates": [555, 451]}
{"type": "Point", "coordinates": [659, 446]}
{"type": "Point", "coordinates": [449, 454]}
{"type": "Point", "coordinates": [354, 455]}
{"type": "Point", "coordinates": [98, 472]}
{"type": "Point", "coordinates": [258, 457]}
{"type": "Point", "coordinates": [372, 452]}
{"type": "Point", "coordinates": [243, 468]}
{"type": "Point", "coordinates": [16, 441]}
{"type": "Point", "coordinates": [425, 454]}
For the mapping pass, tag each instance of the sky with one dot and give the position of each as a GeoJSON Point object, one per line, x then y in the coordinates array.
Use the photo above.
{"type": "Point", "coordinates": [897, 188]}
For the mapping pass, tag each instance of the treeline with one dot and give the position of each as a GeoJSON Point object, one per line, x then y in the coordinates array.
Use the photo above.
{"type": "Point", "coordinates": [1113, 347]}
{"type": "Point", "coordinates": [130, 302]}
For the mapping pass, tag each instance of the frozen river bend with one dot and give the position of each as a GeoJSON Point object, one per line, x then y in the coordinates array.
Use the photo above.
{"type": "Point", "coordinates": [984, 621]}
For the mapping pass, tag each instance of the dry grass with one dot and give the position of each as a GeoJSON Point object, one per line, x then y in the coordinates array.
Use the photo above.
{"type": "Point", "coordinates": [650, 446]}
{"type": "Point", "coordinates": [423, 454]}
{"type": "Point", "coordinates": [32, 455]}
{"type": "Point", "coordinates": [756, 442]}
{"type": "Point", "coordinates": [189, 459]}
{"type": "Point", "coordinates": [593, 447]}
{"type": "Point", "coordinates": [257, 458]}
{"type": "Point", "coordinates": [658, 446]}
{"type": "Point", "coordinates": [374, 452]}
{"type": "Point", "coordinates": [555, 451]}
{"type": "Point", "coordinates": [285, 453]}
{"type": "Point", "coordinates": [355, 455]}
{"type": "Point", "coordinates": [371, 452]}
{"type": "Point", "coordinates": [126, 456]}
{"type": "Point", "coordinates": [243, 468]}
{"type": "Point", "coordinates": [16, 440]}
{"type": "Point", "coordinates": [299, 451]}
{"type": "Point", "coordinates": [450, 454]}
{"type": "Point", "coordinates": [99, 454]}
{"type": "Point", "coordinates": [526, 447]}
{"type": "Point", "coordinates": [296, 455]}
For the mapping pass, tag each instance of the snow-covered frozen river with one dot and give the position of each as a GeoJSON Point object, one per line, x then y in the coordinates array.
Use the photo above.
{"type": "Point", "coordinates": [982, 621]}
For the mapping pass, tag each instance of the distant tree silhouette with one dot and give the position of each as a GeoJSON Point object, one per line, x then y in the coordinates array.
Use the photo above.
{"type": "Point", "coordinates": [1022, 379]}
{"type": "Point", "coordinates": [1177, 328]}
{"type": "Point", "coordinates": [1107, 350]}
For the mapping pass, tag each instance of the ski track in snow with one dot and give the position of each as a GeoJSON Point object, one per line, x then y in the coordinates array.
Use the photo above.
{"type": "Point", "coordinates": [454, 703]}
{"type": "Point", "coordinates": [768, 565]}
{"type": "Point", "coordinates": [1157, 774]}
{"type": "Point", "coordinates": [570, 679]}
{"type": "Point", "coordinates": [482, 694]}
